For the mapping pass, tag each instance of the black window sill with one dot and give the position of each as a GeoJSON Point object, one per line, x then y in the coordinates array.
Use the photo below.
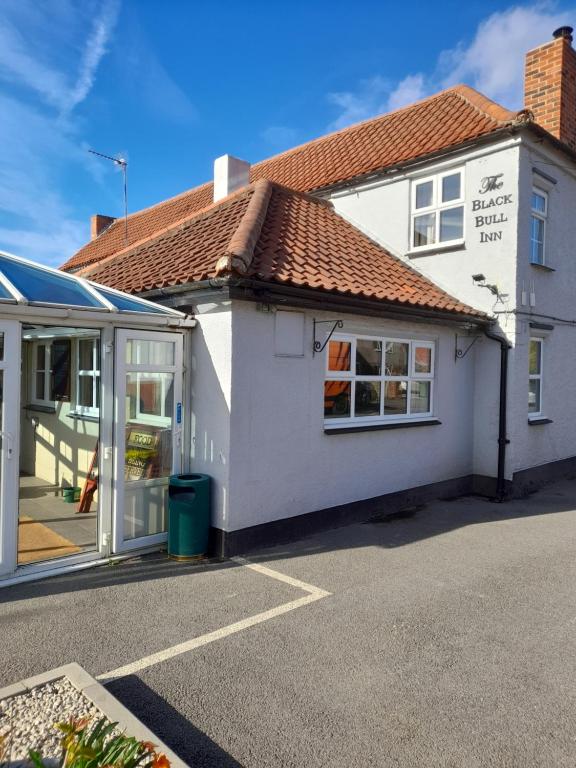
{"type": "Point", "coordinates": [83, 417]}
{"type": "Point", "coordinates": [536, 422]}
{"type": "Point", "coordinates": [542, 267]}
{"type": "Point", "coordinates": [434, 251]}
{"type": "Point", "coordinates": [40, 408]}
{"type": "Point", "coordinates": [377, 427]}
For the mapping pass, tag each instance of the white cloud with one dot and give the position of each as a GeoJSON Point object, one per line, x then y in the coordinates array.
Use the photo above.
{"type": "Point", "coordinates": [492, 62]}
{"type": "Point", "coordinates": [49, 56]}
{"type": "Point", "coordinates": [408, 90]}
{"type": "Point", "coordinates": [369, 99]}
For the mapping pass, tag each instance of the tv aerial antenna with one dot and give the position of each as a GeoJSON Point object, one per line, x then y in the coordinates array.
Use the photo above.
{"type": "Point", "coordinates": [123, 164]}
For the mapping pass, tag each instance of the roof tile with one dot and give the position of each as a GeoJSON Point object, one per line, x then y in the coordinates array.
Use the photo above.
{"type": "Point", "coordinates": [282, 236]}
{"type": "Point", "coordinates": [447, 119]}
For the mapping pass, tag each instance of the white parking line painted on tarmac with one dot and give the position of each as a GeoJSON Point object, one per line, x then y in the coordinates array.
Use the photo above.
{"type": "Point", "coordinates": [314, 594]}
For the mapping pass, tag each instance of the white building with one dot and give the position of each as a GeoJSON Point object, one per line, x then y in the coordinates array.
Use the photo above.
{"type": "Point", "coordinates": [364, 236]}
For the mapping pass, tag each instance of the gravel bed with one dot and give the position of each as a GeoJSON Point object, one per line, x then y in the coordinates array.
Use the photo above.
{"type": "Point", "coordinates": [27, 720]}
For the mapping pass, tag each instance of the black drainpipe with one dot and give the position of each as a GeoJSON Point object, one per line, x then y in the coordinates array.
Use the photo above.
{"type": "Point", "coordinates": [502, 438]}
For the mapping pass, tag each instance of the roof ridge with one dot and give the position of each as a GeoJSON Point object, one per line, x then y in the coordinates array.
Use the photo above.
{"type": "Point", "coordinates": [206, 211]}
{"type": "Point", "coordinates": [484, 104]}
{"type": "Point", "coordinates": [474, 97]}
{"type": "Point", "coordinates": [240, 251]}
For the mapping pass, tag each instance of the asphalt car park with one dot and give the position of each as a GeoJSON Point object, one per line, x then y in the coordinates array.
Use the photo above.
{"type": "Point", "coordinates": [442, 638]}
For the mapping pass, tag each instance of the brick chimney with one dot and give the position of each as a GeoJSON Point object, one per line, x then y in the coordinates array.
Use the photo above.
{"type": "Point", "coordinates": [550, 86]}
{"type": "Point", "coordinates": [99, 223]}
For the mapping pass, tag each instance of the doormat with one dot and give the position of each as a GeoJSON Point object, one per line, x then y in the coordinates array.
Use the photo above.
{"type": "Point", "coordinates": [38, 542]}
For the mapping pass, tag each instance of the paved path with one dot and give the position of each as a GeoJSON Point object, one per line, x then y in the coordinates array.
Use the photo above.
{"type": "Point", "coordinates": [447, 639]}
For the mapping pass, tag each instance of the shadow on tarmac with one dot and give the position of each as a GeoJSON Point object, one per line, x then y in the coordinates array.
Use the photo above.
{"type": "Point", "coordinates": [189, 743]}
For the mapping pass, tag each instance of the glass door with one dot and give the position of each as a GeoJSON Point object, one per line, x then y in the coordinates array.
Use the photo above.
{"type": "Point", "coordinates": [148, 434]}
{"type": "Point", "coordinates": [9, 443]}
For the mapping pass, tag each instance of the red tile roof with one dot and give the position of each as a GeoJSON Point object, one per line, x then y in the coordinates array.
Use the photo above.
{"type": "Point", "coordinates": [449, 118]}
{"type": "Point", "coordinates": [273, 234]}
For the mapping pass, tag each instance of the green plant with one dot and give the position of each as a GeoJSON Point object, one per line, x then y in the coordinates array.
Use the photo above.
{"type": "Point", "coordinates": [86, 745]}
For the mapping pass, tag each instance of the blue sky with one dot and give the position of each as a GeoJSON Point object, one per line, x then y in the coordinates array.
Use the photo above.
{"type": "Point", "coordinates": [172, 85]}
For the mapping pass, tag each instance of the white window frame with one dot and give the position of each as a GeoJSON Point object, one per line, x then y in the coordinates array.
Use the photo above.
{"type": "Point", "coordinates": [47, 371]}
{"type": "Point", "coordinates": [411, 376]}
{"type": "Point", "coordinates": [536, 376]}
{"type": "Point", "coordinates": [94, 373]}
{"type": "Point", "coordinates": [437, 207]}
{"type": "Point", "coordinates": [543, 217]}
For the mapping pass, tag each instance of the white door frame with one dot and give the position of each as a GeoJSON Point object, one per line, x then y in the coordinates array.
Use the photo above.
{"type": "Point", "coordinates": [121, 369]}
{"type": "Point", "coordinates": [10, 445]}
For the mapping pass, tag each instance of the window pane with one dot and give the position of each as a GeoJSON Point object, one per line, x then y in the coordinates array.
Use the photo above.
{"type": "Point", "coordinates": [368, 357]}
{"type": "Point", "coordinates": [534, 396]}
{"type": "Point", "coordinates": [537, 240]}
{"type": "Point", "coordinates": [337, 395]}
{"type": "Point", "coordinates": [396, 359]}
{"type": "Point", "coordinates": [40, 386]}
{"type": "Point", "coordinates": [451, 187]}
{"type": "Point", "coordinates": [142, 352]}
{"type": "Point", "coordinates": [85, 348]}
{"type": "Point", "coordinates": [129, 304]}
{"type": "Point", "coordinates": [1, 346]}
{"type": "Point", "coordinates": [538, 202]}
{"type": "Point", "coordinates": [424, 229]}
{"type": "Point", "coordinates": [60, 369]}
{"type": "Point", "coordinates": [40, 357]}
{"type": "Point", "coordinates": [47, 287]}
{"type": "Point", "coordinates": [97, 391]}
{"type": "Point", "coordinates": [85, 390]}
{"type": "Point", "coordinates": [420, 397]}
{"type": "Point", "coordinates": [367, 398]}
{"type": "Point", "coordinates": [451, 224]}
{"type": "Point", "coordinates": [395, 398]}
{"type": "Point", "coordinates": [534, 357]}
{"type": "Point", "coordinates": [424, 193]}
{"type": "Point", "coordinates": [422, 360]}
{"type": "Point", "coordinates": [339, 355]}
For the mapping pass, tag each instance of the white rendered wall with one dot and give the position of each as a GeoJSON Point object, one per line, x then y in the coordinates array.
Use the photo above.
{"type": "Point", "coordinates": [283, 464]}
{"type": "Point", "coordinates": [383, 212]}
{"type": "Point", "coordinates": [554, 299]}
{"type": "Point", "coordinates": [210, 364]}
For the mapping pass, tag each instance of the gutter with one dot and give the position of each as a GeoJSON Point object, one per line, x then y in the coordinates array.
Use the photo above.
{"type": "Point", "coordinates": [248, 289]}
{"type": "Point", "coordinates": [502, 416]}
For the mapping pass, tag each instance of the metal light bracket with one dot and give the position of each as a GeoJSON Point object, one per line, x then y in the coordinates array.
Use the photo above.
{"type": "Point", "coordinates": [318, 345]}
{"type": "Point", "coordinates": [460, 353]}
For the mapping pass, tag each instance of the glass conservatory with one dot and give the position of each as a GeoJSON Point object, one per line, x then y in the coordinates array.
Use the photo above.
{"type": "Point", "coordinates": [91, 383]}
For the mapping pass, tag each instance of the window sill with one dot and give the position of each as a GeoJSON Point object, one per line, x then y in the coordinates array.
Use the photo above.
{"type": "Point", "coordinates": [539, 420]}
{"type": "Point", "coordinates": [40, 408]}
{"type": "Point", "coordinates": [542, 267]}
{"type": "Point", "coordinates": [83, 417]}
{"type": "Point", "coordinates": [460, 246]}
{"type": "Point", "coordinates": [377, 427]}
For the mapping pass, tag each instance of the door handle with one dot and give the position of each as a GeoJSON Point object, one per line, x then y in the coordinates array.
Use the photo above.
{"type": "Point", "coordinates": [7, 436]}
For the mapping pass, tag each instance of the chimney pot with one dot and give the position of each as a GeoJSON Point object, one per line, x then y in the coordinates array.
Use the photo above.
{"type": "Point", "coordinates": [565, 32]}
{"type": "Point", "coordinates": [98, 223]}
{"type": "Point", "coordinates": [230, 174]}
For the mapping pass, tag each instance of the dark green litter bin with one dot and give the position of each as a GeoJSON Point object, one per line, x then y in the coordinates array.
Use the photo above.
{"type": "Point", "coordinates": [188, 516]}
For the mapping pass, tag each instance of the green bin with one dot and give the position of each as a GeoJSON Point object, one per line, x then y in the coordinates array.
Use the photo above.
{"type": "Point", "coordinates": [188, 516]}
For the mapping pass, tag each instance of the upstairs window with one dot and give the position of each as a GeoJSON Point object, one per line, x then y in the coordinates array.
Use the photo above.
{"type": "Point", "coordinates": [538, 225]}
{"type": "Point", "coordinates": [438, 210]}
